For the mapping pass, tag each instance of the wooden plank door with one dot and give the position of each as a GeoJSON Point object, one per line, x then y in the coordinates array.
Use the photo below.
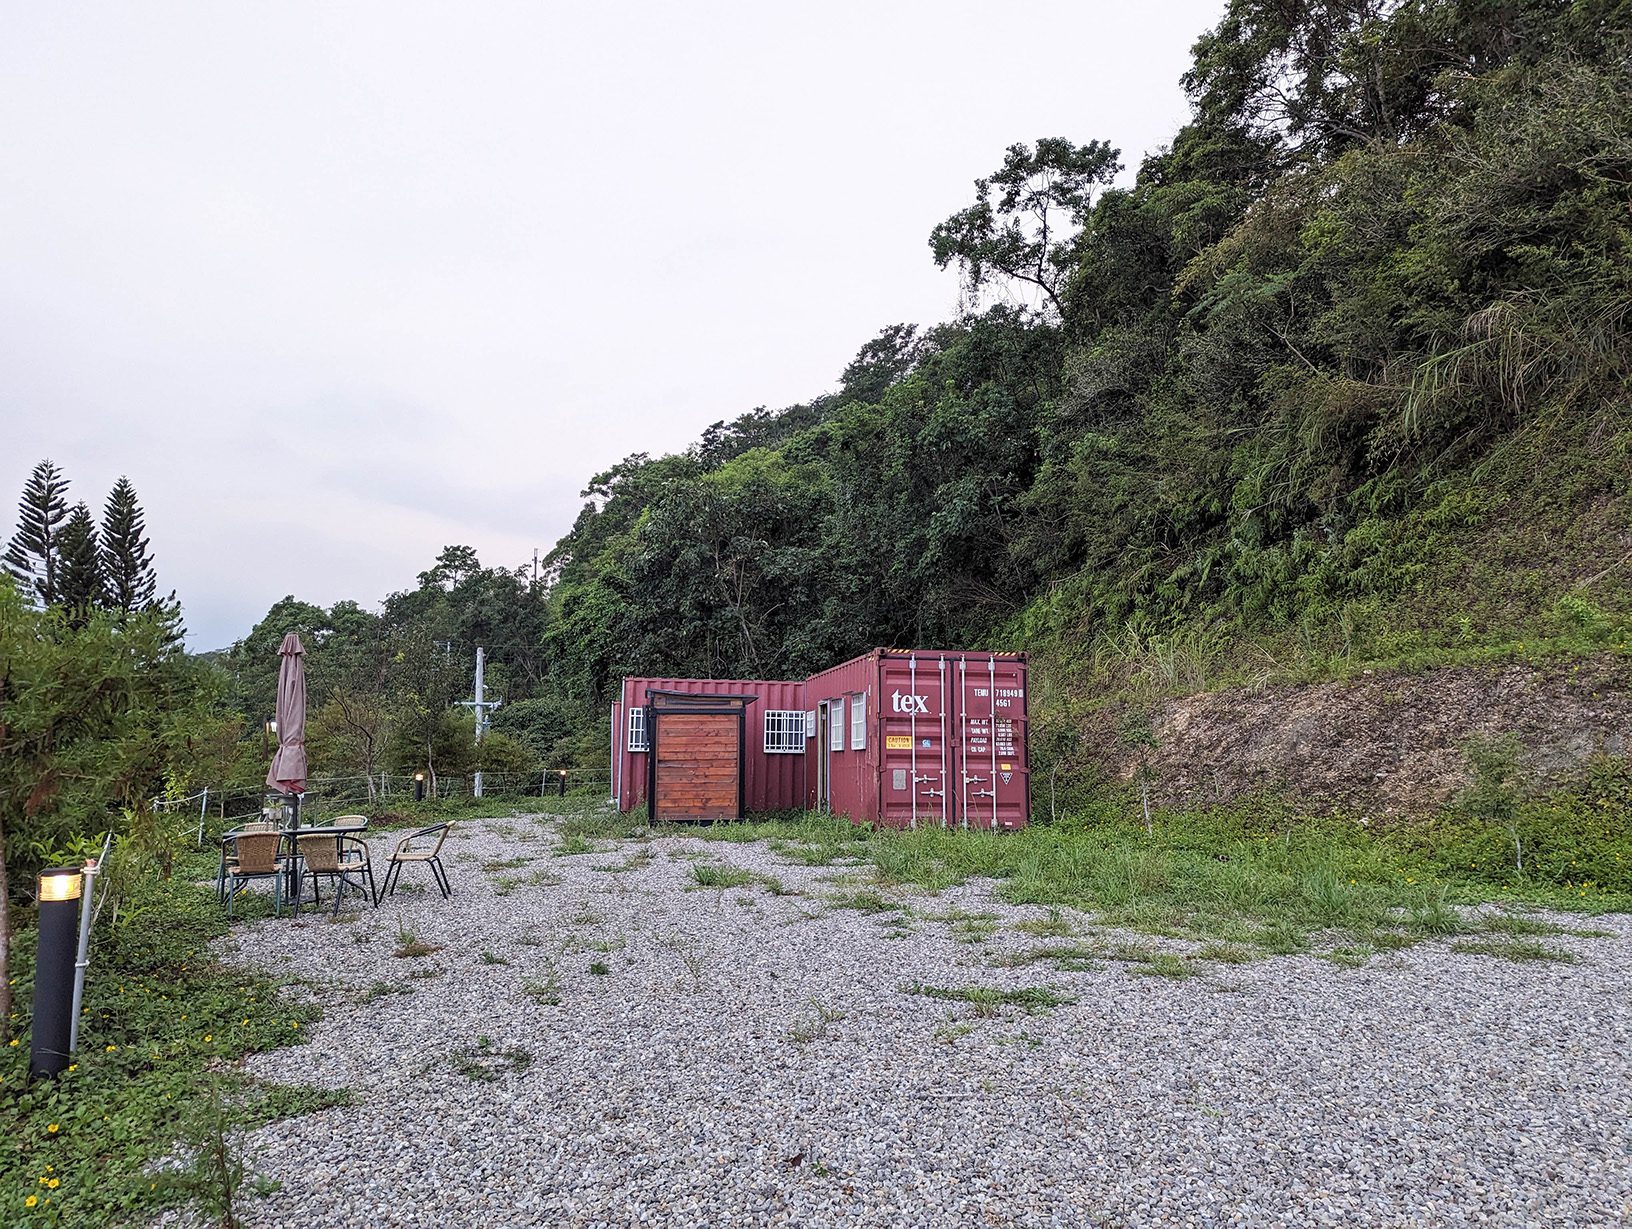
{"type": "Point", "coordinates": [698, 766]}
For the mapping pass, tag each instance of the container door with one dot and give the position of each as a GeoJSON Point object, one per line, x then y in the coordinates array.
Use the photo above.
{"type": "Point", "coordinates": [994, 786]}
{"type": "Point", "coordinates": [914, 721]}
{"type": "Point", "coordinates": [698, 765]}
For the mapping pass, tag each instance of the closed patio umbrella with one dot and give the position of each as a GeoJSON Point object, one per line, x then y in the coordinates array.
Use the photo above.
{"type": "Point", "coordinates": [288, 771]}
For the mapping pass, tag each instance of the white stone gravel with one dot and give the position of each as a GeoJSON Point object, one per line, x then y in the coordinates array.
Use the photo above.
{"type": "Point", "coordinates": [1426, 1088]}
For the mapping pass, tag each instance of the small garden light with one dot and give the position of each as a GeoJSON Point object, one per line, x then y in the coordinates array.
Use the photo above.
{"type": "Point", "coordinates": [419, 787]}
{"type": "Point", "coordinates": [59, 892]}
{"type": "Point", "coordinates": [563, 783]}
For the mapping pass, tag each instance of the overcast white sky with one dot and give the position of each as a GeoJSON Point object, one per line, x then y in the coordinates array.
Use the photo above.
{"type": "Point", "coordinates": [337, 285]}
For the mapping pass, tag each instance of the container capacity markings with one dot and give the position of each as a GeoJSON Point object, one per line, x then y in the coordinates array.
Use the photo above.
{"type": "Point", "coordinates": [979, 734]}
{"type": "Point", "coordinates": [1005, 736]}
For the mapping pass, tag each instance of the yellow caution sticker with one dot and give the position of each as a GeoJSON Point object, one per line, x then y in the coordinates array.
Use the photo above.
{"type": "Point", "coordinates": [1008, 767]}
{"type": "Point", "coordinates": [898, 742]}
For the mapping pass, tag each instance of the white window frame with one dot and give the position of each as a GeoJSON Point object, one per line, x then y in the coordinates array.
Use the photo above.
{"type": "Point", "coordinates": [835, 724]}
{"type": "Point", "coordinates": [784, 732]}
{"type": "Point", "coordinates": [639, 740]}
{"type": "Point", "coordinates": [858, 721]}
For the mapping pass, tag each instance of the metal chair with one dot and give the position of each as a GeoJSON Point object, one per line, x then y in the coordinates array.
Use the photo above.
{"type": "Point", "coordinates": [431, 855]}
{"type": "Point", "coordinates": [254, 856]}
{"type": "Point", "coordinates": [341, 858]}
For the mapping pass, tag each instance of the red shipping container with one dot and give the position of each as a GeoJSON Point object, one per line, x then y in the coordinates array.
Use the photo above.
{"type": "Point", "coordinates": [922, 738]}
{"type": "Point", "coordinates": [773, 748]}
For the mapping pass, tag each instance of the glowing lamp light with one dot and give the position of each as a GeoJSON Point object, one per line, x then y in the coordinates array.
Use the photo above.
{"type": "Point", "coordinates": [61, 883]}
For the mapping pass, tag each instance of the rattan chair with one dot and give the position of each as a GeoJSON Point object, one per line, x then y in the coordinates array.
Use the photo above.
{"type": "Point", "coordinates": [429, 851]}
{"type": "Point", "coordinates": [254, 856]}
{"type": "Point", "coordinates": [343, 859]}
{"type": "Point", "coordinates": [226, 852]}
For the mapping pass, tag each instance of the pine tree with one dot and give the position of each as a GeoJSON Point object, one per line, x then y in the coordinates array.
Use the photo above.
{"type": "Point", "coordinates": [127, 568]}
{"type": "Point", "coordinates": [80, 577]}
{"type": "Point", "coordinates": [34, 556]}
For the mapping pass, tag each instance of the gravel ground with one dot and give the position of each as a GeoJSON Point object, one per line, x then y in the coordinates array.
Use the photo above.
{"type": "Point", "coordinates": [752, 1058]}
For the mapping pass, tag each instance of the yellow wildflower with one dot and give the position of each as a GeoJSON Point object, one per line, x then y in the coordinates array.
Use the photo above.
{"type": "Point", "coordinates": [54, 1183]}
{"type": "Point", "coordinates": [53, 1128]}
{"type": "Point", "coordinates": [31, 1201]}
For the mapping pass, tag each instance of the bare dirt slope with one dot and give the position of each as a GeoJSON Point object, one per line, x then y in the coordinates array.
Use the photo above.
{"type": "Point", "coordinates": [1387, 742]}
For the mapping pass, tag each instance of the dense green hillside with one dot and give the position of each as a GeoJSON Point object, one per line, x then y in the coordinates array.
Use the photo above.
{"type": "Point", "coordinates": [1342, 377]}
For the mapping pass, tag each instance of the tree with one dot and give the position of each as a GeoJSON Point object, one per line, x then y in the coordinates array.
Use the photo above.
{"type": "Point", "coordinates": [35, 554]}
{"type": "Point", "coordinates": [348, 733]}
{"type": "Point", "coordinates": [127, 566]}
{"type": "Point", "coordinates": [80, 571]}
{"type": "Point", "coordinates": [880, 363]}
{"type": "Point", "coordinates": [1029, 233]}
{"type": "Point", "coordinates": [92, 720]}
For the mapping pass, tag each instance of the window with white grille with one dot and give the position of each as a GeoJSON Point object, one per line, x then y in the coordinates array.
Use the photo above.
{"type": "Point", "coordinates": [637, 730]}
{"type": "Point", "coordinates": [784, 732]}
{"type": "Point", "coordinates": [835, 727]}
{"type": "Point", "coordinates": [858, 722]}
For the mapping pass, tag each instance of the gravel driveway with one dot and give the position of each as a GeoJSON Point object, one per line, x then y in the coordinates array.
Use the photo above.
{"type": "Point", "coordinates": [595, 1044]}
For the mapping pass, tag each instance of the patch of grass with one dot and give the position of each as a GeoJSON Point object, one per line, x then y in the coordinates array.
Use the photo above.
{"type": "Point", "coordinates": [485, 1062]}
{"type": "Point", "coordinates": [953, 1031]}
{"type": "Point", "coordinates": [1224, 953]}
{"type": "Point", "coordinates": [1167, 964]}
{"type": "Point", "coordinates": [1055, 926]}
{"type": "Point", "coordinates": [545, 988]}
{"type": "Point", "coordinates": [1349, 957]}
{"type": "Point", "coordinates": [719, 875]}
{"type": "Point", "coordinates": [584, 943]}
{"type": "Point", "coordinates": [1520, 950]}
{"type": "Point", "coordinates": [162, 1014]}
{"type": "Point", "coordinates": [508, 864]}
{"type": "Point", "coordinates": [1071, 958]}
{"type": "Point", "coordinates": [573, 844]}
{"type": "Point", "coordinates": [987, 1000]}
{"type": "Point", "coordinates": [490, 958]}
{"type": "Point", "coordinates": [863, 901]}
{"type": "Point", "coordinates": [966, 927]}
{"type": "Point", "coordinates": [816, 1023]}
{"type": "Point", "coordinates": [691, 956]}
{"type": "Point", "coordinates": [382, 989]}
{"type": "Point", "coordinates": [600, 968]}
{"type": "Point", "coordinates": [506, 884]}
{"type": "Point", "coordinates": [1262, 876]}
{"type": "Point", "coordinates": [1521, 925]}
{"type": "Point", "coordinates": [638, 860]}
{"type": "Point", "coordinates": [409, 946]}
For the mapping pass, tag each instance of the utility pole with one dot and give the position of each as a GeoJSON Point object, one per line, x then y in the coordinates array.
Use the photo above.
{"type": "Point", "coordinates": [481, 704]}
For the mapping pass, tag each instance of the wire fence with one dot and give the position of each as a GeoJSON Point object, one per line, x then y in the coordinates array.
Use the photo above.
{"type": "Point", "coordinates": [220, 807]}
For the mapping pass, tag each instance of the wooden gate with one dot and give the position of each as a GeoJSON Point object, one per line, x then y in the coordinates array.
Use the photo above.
{"type": "Point", "coordinates": [696, 760]}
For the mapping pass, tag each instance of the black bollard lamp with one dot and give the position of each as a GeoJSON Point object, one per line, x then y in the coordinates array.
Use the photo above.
{"type": "Point", "coordinates": [59, 892]}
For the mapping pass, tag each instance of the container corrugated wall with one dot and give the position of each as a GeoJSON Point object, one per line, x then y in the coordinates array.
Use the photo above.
{"type": "Point", "coordinates": [922, 738]}
{"type": "Point", "coordinates": [774, 780]}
